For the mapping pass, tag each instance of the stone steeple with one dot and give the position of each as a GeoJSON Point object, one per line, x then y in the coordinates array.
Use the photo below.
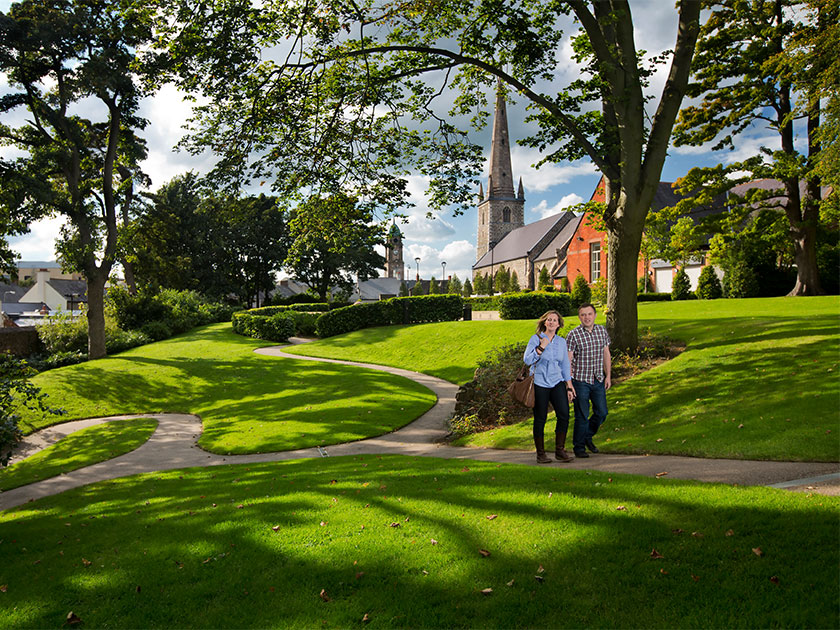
{"type": "Point", "coordinates": [394, 266]}
{"type": "Point", "coordinates": [503, 210]}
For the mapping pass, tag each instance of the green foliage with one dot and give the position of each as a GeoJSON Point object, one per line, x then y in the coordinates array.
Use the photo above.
{"type": "Point", "coordinates": [409, 310]}
{"type": "Point", "coordinates": [599, 291]}
{"type": "Point", "coordinates": [481, 284]}
{"type": "Point", "coordinates": [532, 305]}
{"type": "Point", "coordinates": [485, 402]}
{"type": "Point", "coordinates": [681, 286]}
{"type": "Point", "coordinates": [417, 289]}
{"type": "Point", "coordinates": [484, 303]}
{"type": "Point", "coordinates": [17, 393]}
{"type": "Point", "coordinates": [501, 280]}
{"type": "Point", "coordinates": [644, 284]}
{"type": "Point", "coordinates": [654, 297]}
{"type": "Point", "coordinates": [403, 289]}
{"type": "Point", "coordinates": [708, 284]}
{"type": "Point", "coordinates": [565, 287]}
{"type": "Point", "coordinates": [277, 327]}
{"type": "Point", "coordinates": [468, 288]}
{"type": "Point", "coordinates": [66, 338]}
{"type": "Point", "coordinates": [434, 289]}
{"type": "Point", "coordinates": [740, 280]}
{"type": "Point", "coordinates": [544, 280]}
{"type": "Point", "coordinates": [513, 286]}
{"type": "Point", "coordinates": [454, 285]}
{"type": "Point", "coordinates": [581, 293]}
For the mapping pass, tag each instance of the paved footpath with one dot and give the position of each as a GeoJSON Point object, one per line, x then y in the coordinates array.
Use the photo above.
{"type": "Point", "coordinates": [174, 445]}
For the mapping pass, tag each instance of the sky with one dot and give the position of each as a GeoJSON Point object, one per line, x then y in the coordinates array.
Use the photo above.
{"type": "Point", "coordinates": [445, 238]}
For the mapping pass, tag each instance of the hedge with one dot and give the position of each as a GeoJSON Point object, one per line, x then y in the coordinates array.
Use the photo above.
{"type": "Point", "coordinates": [272, 327]}
{"type": "Point", "coordinates": [399, 310]}
{"type": "Point", "coordinates": [654, 297]}
{"type": "Point", "coordinates": [533, 305]}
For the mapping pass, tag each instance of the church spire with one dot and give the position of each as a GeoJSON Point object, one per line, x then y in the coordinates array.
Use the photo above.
{"type": "Point", "coordinates": [500, 182]}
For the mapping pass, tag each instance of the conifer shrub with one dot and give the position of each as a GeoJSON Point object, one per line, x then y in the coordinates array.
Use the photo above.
{"type": "Point", "coordinates": [681, 286]}
{"type": "Point", "coordinates": [708, 285]}
{"type": "Point", "coordinates": [581, 293]}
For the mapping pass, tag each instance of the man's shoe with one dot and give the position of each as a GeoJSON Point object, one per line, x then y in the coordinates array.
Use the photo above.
{"type": "Point", "coordinates": [580, 454]}
{"type": "Point", "coordinates": [591, 446]}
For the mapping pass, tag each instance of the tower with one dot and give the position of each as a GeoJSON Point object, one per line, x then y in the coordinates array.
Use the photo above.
{"type": "Point", "coordinates": [502, 211]}
{"type": "Point", "coordinates": [394, 266]}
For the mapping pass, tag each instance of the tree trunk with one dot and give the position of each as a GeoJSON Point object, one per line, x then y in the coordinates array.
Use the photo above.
{"type": "Point", "coordinates": [128, 268]}
{"type": "Point", "coordinates": [622, 318]}
{"type": "Point", "coordinates": [805, 256]}
{"type": "Point", "coordinates": [96, 315]}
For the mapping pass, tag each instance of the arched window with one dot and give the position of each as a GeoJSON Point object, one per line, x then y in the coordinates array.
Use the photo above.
{"type": "Point", "coordinates": [506, 215]}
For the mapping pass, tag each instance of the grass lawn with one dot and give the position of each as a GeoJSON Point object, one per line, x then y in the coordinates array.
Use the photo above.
{"type": "Point", "coordinates": [83, 448]}
{"type": "Point", "coordinates": [247, 402]}
{"type": "Point", "coordinates": [413, 542]}
{"type": "Point", "coordinates": [759, 378]}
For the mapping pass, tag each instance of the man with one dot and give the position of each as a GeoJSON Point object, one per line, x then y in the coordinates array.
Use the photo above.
{"type": "Point", "coordinates": [589, 354]}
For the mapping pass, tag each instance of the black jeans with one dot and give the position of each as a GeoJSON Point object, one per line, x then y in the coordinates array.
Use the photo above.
{"type": "Point", "coordinates": [559, 399]}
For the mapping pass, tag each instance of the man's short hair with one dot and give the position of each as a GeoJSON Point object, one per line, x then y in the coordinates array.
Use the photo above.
{"type": "Point", "coordinates": [587, 305]}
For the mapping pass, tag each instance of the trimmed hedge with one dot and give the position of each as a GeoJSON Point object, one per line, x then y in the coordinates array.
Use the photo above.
{"type": "Point", "coordinates": [399, 310]}
{"type": "Point", "coordinates": [654, 297]}
{"type": "Point", "coordinates": [533, 305]}
{"type": "Point", "coordinates": [274, 327]}
{"type": "Point", "coordinates": [483, 303]}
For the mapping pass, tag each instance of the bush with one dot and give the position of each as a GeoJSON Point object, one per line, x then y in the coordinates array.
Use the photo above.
{"type": "Point", "coordinates": [63, 333]}
{"type": "Point", "coordinates": [41, 363]}
{"type": "Point", "coordinates": [156, 330]}
{"type": "Point", "coordinates": [653, 297]}
{"type": "Point", "coordinates": [599, 291]}
{"type": "Point", "coordinates": [581, 293]}
{"type": "Point", "coordinates": [740, 281]}
{"type": "Point", "coordinates": [644, 283]}
{"type": "Point", "coordinates": [276, 327]}
{"type": "Point", "coordinates": [305, 323]}
{"type": "Point", "coordinates": [681, 286]}
{"type": "Point", "coordinates": [16, 392]}
{"type": "Point", "coordinates": [399, 310]}
{"type": "Point", "coordinates": [485, 402]}
{"type": "Point", "coordinates": [533, 305]}
{"type": "Point", "coordinates": [708, 285]}
{"type": "Point", "coordinates": [483, 303]}
{"type": "Point", "coordinates": [121, 340]}
{"type": "Point", "coordinates": [172, 310]}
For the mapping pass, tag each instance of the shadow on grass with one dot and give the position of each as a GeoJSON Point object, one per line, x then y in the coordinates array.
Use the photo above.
{"type": "Point", "coordinates": [197, 548]}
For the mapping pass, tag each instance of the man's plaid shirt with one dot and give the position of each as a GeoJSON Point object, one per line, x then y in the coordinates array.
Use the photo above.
{"type": "Point", "coordinates": [588, 350]}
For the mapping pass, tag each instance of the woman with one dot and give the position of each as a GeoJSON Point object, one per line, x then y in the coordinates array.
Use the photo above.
{"type": "Point", "coordinates": [549, 360]}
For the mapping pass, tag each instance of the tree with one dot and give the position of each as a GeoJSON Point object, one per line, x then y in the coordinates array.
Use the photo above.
{"type": "Point", "coordinates": [434, 289]}
{"type": "Point", "coordinates": [55, 55]}
{"type": "Point", "coordinates": [514, 282]}
{"type": "Point", "coordinates": [708, 284]}
{"type": "Point", "coordinates": [581, 293]}
{"type": "Point", "coordinates": [501, 280]}
{"type": "Point", "coordinates": [681, 286]}
{"type": "Point", "coordinates": [544, 279]}
{"type": "Point", "coordinates": [468, 288]}
{"type": "Point", "coordinates": [332, 240]}
{"type": "Point", "coordinates": [403, 289]}
{"type": "Point", "coordinates": [746, 70]}
{"type": "Point", "coordinates": [313, 118]}
{"type": "Point", "coordinates": [480, 284]}
{"type": "Point", "coordinates": [454, 285]}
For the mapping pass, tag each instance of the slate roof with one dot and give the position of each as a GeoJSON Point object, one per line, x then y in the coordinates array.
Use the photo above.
{"type": "Point", "coordinates": [18, 292]}
{"type": "Point", "coordinates": [69, 287]}
{"type": "Point", "coordinates": [519, 242]}
{"type": "Point", "coordinates": [561, 241]}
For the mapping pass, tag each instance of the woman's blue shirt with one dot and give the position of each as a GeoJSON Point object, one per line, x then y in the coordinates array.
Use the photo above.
{"type": "Point", "coordinates": [552, 366]}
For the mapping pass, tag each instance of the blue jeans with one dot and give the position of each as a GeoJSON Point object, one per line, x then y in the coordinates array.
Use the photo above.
{"type": "Point", "coordinates": [586, 426]}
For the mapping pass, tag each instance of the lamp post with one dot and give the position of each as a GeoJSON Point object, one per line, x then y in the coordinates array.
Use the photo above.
{"type": "Point", "coordinates": [417, 260]}
{"type": "Point", "coordinates": [492, 248]}
{"type": "Point", "coordinates": [443, 273]}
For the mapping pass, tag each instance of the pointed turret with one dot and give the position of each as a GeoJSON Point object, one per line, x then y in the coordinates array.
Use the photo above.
{"type": "Point", "coordinates": [500, 182]}
{"type": "Point", "coordinates": [521, 194]}
{"type": "Point", "coordinates": [480, 192]}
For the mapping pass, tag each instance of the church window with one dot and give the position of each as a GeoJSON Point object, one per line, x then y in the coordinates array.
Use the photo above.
{"type": "Point", "coordinates": [594, 261]}
{"type": "Point", "coordinates": [506, 215]}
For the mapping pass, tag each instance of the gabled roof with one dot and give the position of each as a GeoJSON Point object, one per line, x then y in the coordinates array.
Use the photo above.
{"type": "Point", "coordinates": [70, 287]}
{"type": "Point", "coordinates": [13, 289]}
{"type": "Point", "coordinates": [520, 242]}
{"type": "Point", "coordinates": [561, 241]}
{"type": "Point", "coordinates": [37, 264]}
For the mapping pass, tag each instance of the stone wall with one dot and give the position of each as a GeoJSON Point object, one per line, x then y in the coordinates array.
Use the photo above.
{"type": "Point", "coordinates": [20, 342]}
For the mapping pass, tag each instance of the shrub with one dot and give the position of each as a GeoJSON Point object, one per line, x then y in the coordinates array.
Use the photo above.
{"type": "Point", "coordinates": [483, 303]}
{"type": "Point", "coordinates": [63, 333]}
{"type": "Point", "coordinates": [543, 280]}
{"type": "Point", "coordinates": [156, 330]}
{"type": "Point", "coordinates": [41, 363]}
{"type": "Point", "coordinates": [681, 287]}
{"type": "Point", "coordinates": [16, 392]}
{"type": "Point", "coordinates": [399, 310]}
{"type": "Point", "coordinates": [653, 297]}
{"type": "Point", "coordinates": [644, 283]}
{"type": "Point", "coordinates": [581, 293]}
{"type": "Point", "coordinates": [276, 327]}
{"type": "Point", "coordinates": [533, 305]}
{"type": "Point", "coordinates": [708, 285]}
{"type": "Point", "coordinates": [305, 323]}
{"type": "Point", "coordinates": [740, 281]}
{"type": "Point", "coordinates": [121, 340]}
{"type": "Point", "coordinates": [599, 291]}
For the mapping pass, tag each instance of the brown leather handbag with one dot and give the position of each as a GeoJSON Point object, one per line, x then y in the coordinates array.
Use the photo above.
{"type": "Point", "coordinates": [522, 388]}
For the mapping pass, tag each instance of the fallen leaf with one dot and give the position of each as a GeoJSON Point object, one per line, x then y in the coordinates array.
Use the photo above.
{"type": "Point", "coordinates": [433, 541]}
{"type": "Point", "coordinates": [696, 578]}
{"type": "Point", "coordinates": [757, 551]}
{"type": "Point", "coordinates": [407, 519]}
{"type": "Point", "coordinates": [774, 579]}
{"type": "Point", "coordinates": [484, 553]}
{"type": "Point", "coordinates": [465, 469]}
{"type": "Point", "coordinates": [359, 575]}
{"type": "Point", "coordinates": [486, 591]}
{"type": "Point", "coordinates": [621, 508]}
{"type": "Point", "coordinates": [275, 528]}
{"type": "Point", "coordinates": [240, 506]}
{"type": "Point", "coordinates": [539, 578]}
{"type": "Point", "coordinates": [659, 439]}
{"type": "Point", "coordinates": [395, 524]}
{"type": "Point", "coordinates": [541, 569]}
{"type": "Point", "coordinates": [662, 474]}
{"type": "Point", "coordinates": [677, 531]}
{"type": "Point", "coordinates": [324, 596]}
{"type": "Point", "coordinates": [740, 426]}
{"type": "Point", "coordinates": [697, 534]}
{"type": "Point", "coordinates": [323, 523]}
{"type": "Point", "coordinates": [86, 562]}
{"type": "Point", "coordinates": [729, 532]}
{"type": "Point", "coordinates": [663, 571]}
{"type": "Point", "coordinates": [492, 516]}
{"type": "Point", "coordinates": [511, 582]}
{"type": "Point", "coordinates": [425, 572]}
{"type": "Point", "coordinates": [656, 555]}
{"type": "Point", "coordinates": [4, 588]}
{"type": "Point", "coordinates": [73, 619]}
{"type": "Point", "coordinates": [366, 618]}
{"type": "Point", "coordinates": [137, 588]}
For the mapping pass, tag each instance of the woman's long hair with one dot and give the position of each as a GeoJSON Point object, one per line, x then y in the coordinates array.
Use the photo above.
{"type": "Point", "coordinates": [541, 321]}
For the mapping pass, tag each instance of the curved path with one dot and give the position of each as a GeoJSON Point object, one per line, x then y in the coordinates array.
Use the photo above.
{"type": "Point", "coordinates": [174, 445]}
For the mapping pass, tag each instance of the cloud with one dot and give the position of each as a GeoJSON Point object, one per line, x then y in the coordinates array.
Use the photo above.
{"type": "Point", "coordinates": [39, 244]}
{"type": "Point", "coordinates": [543, 210]}
{"type": "Point", "coordinates": [459, 257]}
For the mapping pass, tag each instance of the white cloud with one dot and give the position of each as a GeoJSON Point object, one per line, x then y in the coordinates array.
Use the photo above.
{"type": "Point", "coordinates": [39, 244]}
{"type": "Point", "coordinates": [459, 257]}
{"type": "Point", "coordinates": [548, 175]}
{"type": "Point", "coordinates": [543, 210]}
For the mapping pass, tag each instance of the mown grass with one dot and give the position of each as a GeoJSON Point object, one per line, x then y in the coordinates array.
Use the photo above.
{"type": "Point", "coordinates": [78, 450]}
{"type": "Point", "coordinates": [758, 379]}
{"type": "Point", "coordinates": [247, 402]}
{"type": "Point", "coordinates": [400, 539]}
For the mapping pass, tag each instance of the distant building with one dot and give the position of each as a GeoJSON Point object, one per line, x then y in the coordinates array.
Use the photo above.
{"type": "Point", "coordinates": [394, 265]}
{"type": "Point", "coordinates": [28, 270]}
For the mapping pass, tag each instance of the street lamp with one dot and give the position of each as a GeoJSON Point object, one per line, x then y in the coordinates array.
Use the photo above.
{"type": "Point", "coordinates": [417, 260]}
{"type": "Point", "coordinates": [443, 273]}
{"type": "Point", "coordinates": [492, 248]}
